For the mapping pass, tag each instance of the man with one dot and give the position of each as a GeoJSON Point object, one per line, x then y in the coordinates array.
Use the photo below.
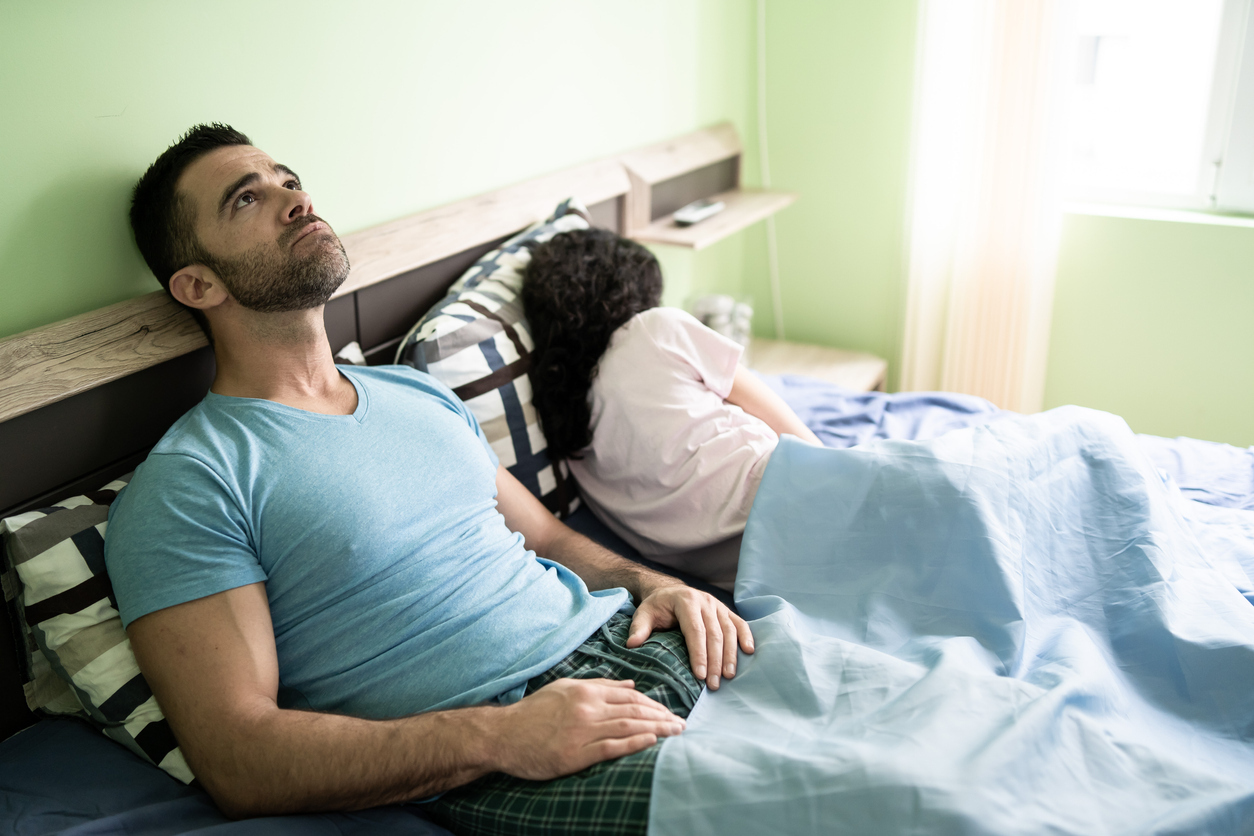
{"type": "Point", "coordinates": [328, 579]}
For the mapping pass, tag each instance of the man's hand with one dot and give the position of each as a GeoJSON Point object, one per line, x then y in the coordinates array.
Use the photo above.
{"type": "Point", "coordinates": [710, 629]}
{"type": "Point", "coordinates": [570, 724]}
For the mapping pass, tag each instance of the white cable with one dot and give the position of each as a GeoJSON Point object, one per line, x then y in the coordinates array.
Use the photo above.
{"type": "Point", "coordinates": [772, 249]}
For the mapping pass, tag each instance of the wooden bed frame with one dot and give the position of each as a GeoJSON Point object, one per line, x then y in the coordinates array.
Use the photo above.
{"type": "Point", "coordinates": [83, 400]}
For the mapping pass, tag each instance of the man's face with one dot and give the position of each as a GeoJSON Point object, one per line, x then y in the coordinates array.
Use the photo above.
{"type": "Point", "coordinates": [258, 233]}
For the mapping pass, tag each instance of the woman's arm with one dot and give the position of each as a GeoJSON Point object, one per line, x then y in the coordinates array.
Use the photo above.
{"type": "Point", "coordinates": [756, 398]}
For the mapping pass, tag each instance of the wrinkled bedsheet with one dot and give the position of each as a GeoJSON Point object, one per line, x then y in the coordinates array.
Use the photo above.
{"type": "Point", "coordinates": [1019, 627]}
{"type": "Point", "coordinates": [1218, 474]}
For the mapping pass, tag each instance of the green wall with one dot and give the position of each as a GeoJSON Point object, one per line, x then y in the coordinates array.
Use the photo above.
{"type": "Point", "coordinates": [840, 81]}
{"type": "Point", "coordinates": [1154, 321]}
{"type": "Point", "coordinates": [385, 108]}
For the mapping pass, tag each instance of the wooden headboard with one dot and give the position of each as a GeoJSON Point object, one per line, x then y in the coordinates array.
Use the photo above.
{"type": "Point", "coordinates": [83, 400]}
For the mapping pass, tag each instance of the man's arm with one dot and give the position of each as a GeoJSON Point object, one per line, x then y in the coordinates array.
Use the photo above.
{"type": "Point", "coordinates": [213, 667]}
{"type": "Point", "coordinates": [711, 631]}
{"type": "Point", "coordinates": [756, 398]}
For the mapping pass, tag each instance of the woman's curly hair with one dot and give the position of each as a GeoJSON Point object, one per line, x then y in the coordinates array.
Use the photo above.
{"type": "Point", "coordinates": [579, 288]}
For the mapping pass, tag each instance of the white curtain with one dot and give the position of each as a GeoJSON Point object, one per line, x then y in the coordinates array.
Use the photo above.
{"type": "Point", "coordinates": [985, 202]}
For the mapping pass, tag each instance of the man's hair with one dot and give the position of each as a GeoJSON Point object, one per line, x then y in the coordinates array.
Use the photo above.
{"type": "Point", "coordinates": [162, 219]}
{"type": "Point", "coordinates": [578, 289]}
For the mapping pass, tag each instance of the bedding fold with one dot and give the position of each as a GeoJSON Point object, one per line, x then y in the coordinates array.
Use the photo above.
{"type": "Point", "coordinates": [1021, 627]}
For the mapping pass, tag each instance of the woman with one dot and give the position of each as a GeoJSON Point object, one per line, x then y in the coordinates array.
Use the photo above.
{"type": "Point", "coordinates": [666, 433]}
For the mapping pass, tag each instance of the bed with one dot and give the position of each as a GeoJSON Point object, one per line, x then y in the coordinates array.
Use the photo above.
{"type": "Point", "coordinates": [82, 401]}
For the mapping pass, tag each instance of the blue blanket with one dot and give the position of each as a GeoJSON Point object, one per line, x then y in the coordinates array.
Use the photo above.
{"type": "Point", "coordinates": [1218, 474]}
{"type": "Point", "coordinates": [1021, 627]}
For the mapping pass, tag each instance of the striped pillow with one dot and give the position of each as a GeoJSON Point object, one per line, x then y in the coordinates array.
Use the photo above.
{"type": "Point", "coordinates": [78, 660]}
{"type": "Point", "coordinates": [476, 342]}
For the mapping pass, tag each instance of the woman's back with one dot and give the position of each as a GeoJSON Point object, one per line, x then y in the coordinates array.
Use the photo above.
{"type": "Point", "coordinates": [672, 466]}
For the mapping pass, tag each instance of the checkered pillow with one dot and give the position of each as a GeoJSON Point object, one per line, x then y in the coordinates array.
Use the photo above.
{"type": "Point", "coordinates": [476, 341]}
{"type": "Point", "coordinates": [77, 658]}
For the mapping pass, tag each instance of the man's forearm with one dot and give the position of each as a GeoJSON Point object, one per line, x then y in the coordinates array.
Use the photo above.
{"type": "Point", "coordinates": [544, 534]}
{"type": "Point", "coordinates": [281, 761]}
{"type": "Point", "coordinates": [601, 568]}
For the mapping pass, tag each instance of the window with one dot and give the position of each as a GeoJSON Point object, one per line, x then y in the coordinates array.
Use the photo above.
{"type": "Point", "coordinates": [1162, 108]}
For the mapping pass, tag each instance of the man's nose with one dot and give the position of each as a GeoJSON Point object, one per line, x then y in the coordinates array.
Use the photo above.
{"type": "Point", "coordinates": [301, 204]}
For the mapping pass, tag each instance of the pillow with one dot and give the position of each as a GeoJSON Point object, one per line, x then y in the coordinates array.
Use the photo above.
{"type": "Point", "coordinates": [477, 343]}
{"type": "Point", "coordinates": [77, 658]}
{"type": "Point", "coordinates": [350, 355]}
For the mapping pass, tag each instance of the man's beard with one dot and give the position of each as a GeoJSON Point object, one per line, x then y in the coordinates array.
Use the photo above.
{"type": "Point", "coordinates": [266, 282]}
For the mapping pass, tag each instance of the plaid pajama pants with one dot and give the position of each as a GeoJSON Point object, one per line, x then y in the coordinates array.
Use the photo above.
{"type": "Point", "coordinates": [606, 799]}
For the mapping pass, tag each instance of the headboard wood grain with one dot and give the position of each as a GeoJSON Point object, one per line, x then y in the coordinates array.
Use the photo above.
{"type": "Point", "coordinates": [49, 364]}
{"type": "Point", "coordinates": [393, 248]}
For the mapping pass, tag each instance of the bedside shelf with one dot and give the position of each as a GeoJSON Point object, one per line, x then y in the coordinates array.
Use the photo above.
{"type": "Point", "coordinates": [850, 369]}
{"type": "Point", "coordinates": [744, 208]}
{"type": "Point", "coordinates": [669, 175]}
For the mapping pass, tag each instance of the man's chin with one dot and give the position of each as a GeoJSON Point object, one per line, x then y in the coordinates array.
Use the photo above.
{"type": "Point", "coordinates": [316, 296]}
{"type": "Point", "coordinates": [300, 294]}
{"type": "Point", "coordinates": [301, 282]}
{"type": "Point", "coordinates": [324, 271]}
{"type": "Point", "coordinates": [329, 252]}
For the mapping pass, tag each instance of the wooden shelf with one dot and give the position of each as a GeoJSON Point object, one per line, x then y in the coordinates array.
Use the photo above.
{"type": "Point", "coordinates": [672, 158]}
{"type": "Point", "coordinates": [745, 207]}
{"type": "Point", "coordinates": [850, 369]}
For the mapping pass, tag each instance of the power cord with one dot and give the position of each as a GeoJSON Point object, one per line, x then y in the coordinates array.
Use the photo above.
{"type": "Point", "coordinates": [764, 163]}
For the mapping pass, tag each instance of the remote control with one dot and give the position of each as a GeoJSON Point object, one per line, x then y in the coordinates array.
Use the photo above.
{"type": "Point", "coordinates": [698, 211]}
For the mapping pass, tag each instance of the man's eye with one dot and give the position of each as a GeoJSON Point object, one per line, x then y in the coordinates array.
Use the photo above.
{"type": "Point", "coordinates": [245, 199]}
{"type": "Point", "coordinates": [294, 185]}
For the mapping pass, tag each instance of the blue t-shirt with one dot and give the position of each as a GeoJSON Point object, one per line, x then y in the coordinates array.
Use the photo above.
{"type": "Point", "coordinates": [394, 584]}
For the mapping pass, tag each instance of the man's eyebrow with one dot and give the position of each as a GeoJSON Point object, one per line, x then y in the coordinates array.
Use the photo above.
{"type": "Point", "coordinates": [246, 180]}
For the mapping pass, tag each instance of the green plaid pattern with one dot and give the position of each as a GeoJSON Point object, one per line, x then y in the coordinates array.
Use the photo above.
{"type": "Point", "coordinates": [607, 799]}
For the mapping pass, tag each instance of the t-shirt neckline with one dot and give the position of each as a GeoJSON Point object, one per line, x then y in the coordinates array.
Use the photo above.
{"type": "Point", "coordinates": [358, 414]}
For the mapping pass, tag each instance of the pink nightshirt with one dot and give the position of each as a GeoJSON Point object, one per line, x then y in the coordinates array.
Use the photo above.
{"type": "Point", "coordinates": [672, 466]}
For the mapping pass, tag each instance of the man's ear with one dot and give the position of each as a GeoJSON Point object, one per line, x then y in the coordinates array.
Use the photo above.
{"type": "Point", "coordinates": [196, 286]}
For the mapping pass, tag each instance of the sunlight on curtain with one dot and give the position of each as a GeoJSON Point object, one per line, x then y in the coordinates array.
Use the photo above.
{"type": "Point", "coordinates": [986, 200]}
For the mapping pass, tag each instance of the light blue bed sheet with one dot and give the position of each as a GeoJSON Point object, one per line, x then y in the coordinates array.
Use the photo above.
{"type": "Point", "coordinates": [1021, 627]}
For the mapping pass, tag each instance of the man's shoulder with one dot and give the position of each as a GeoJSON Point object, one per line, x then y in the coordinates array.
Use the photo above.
{"type": "Point", "coordinates": [219, 426]}
{"type": "Point", "coordinates": [191, 451]}
{"type": "Point", "coordinates": [189, 431]}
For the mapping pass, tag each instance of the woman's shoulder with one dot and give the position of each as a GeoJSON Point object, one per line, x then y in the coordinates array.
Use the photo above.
{"type": "Point", "coordinates": [661, 321]}
{"type": "Point", "coordinates": [656, 327]}
{"type": "Point", "coordinates": [663, 315]}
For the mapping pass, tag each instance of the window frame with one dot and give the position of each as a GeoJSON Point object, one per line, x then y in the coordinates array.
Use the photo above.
{"type": "Point", "coordinates": [1225, 169]}
{"type": "Point", "coordinates": [1232, 184]}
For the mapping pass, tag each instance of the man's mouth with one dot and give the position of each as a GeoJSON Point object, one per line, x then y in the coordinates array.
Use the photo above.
{"type": "Point", "coordinates": [309, 229]}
